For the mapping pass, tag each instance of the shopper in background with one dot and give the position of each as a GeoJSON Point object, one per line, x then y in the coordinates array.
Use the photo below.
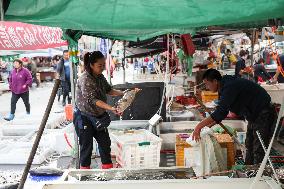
{"type": "Point", "coordinates": [19, 82]}
{"type": "Point", "coordinates": [279, 75]}
{"type": "Point", "coordinates": [241, 64]}
{"type": "Point", "coordinates": [260, 72]}
{"type": "Point", "coordinates": [90, 117]}
{"type": "Point", "coordinates": [63, 69]}
{"type": "Point", "coordinates": [32, 67]}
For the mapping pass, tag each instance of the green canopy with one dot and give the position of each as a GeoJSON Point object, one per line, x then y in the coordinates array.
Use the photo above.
{"type": "Point", "coordinates": [133, 19]}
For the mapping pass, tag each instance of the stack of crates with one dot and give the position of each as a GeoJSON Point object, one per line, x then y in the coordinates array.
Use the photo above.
{"type": "Point", "coordinates": [180, 145]}
{"type": "Point", "coordinates": [137, 149]}
{"type": "Point", "coordinates": [208, 96]}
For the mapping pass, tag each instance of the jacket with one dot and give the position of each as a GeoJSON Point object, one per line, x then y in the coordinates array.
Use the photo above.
{"type": "Point", "coordinates": [89, 90]}
{"type": "Point", "coordinates": [61, 70]}
{"type": "Point", "coordinates": [18, 79]}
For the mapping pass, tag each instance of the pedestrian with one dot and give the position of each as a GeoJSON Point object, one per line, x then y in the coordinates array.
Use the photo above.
{"type": "Point", "coordinates": [90, 116]}
{"type": "Point", "coordinates": [241, 64]}
{"type": "Point", "coordinates": [19, 82]}
{"type": "Point", "coordinates": [260, 72]}
{"type": "Point", "coordinates": [279, 76]}
{"type": "Point", "coordinates": [244, 98]}
{"type": "Point", "coordinates": [63, 69]}
{"type": "Point", "coordinates": [32, 67]}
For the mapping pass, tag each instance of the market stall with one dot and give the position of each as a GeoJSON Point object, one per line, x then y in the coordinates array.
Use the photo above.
{"type": "Point", "coordinates": [189, 17]}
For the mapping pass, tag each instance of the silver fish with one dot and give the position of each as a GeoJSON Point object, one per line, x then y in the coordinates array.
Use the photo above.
{"type": "Point", "coordinates": [126, 100]}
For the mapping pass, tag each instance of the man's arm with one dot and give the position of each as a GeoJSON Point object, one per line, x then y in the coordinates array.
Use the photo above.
{"type": "Point", "coordinates": [206, 122]}
{"type": "Point", "coordinates": [275, 77]}
{"type": "Point", "coordinates": [227, 98]}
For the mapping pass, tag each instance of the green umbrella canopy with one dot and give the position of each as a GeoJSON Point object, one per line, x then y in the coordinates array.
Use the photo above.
{"type": "Point", "coordinates": [143, 19]}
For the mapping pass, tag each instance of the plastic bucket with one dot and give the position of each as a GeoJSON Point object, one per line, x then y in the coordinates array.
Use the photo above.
{"type": "Point", "coordinates": [69, 112]}
{"type": "Point", "coordinates": [44, 178]}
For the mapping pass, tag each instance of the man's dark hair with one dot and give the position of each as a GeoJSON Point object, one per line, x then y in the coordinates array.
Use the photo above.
{"type": "Point", "coordinates": [228, 51]}
{"type": "Point", "coordinates": [212, 74]}
{"type": "Point", "coordinates": [65, 51]}
{"type": "Point", "coordinates": [243, 53]}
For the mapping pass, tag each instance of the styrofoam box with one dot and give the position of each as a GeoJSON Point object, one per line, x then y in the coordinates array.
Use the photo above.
{"type": "Point", "coordinates": [170, 138]}
{"type": "Point", "coordinates": [275, 91]}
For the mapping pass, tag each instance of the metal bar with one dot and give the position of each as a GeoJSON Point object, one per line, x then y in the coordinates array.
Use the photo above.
{"type": "Point", "coordinates": [109, 59]}
{"type": "Point", "coordinates": [269, 160]}
{"type": "Point", "coordinates": [2, 10]}
{"type": "Point", "coordinates": [39, 133]}
{"type": "Point", "coordinates": [123, 62]}
{"type": "Point", "coordinates": [73, 79]}
{"type": "Point", "coordinates": [252, 45]}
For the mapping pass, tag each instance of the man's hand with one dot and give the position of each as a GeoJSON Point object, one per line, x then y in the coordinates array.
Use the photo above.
{"type": "Point", "coordinates": [196, 134]}
{"type": "Point", "coordinates": [209, 122]}
{"type": "Point", "coordinates": [24, 86]}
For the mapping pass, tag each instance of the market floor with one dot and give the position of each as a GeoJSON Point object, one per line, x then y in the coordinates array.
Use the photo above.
{"type": "Point", "coordinates": [38, 99]}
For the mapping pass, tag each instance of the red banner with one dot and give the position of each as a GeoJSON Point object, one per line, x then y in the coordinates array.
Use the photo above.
{"type": "Point", "coordinates": [21, 36]}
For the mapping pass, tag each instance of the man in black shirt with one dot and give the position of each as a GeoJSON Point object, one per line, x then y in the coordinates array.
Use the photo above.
{"type": "Point", "coordinates": [244, 98]}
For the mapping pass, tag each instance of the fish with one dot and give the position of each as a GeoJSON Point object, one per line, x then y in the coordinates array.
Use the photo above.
{"type": "Point", "coordinates": [127, 99]}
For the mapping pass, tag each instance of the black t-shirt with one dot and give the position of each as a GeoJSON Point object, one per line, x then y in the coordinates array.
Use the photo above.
{"type": "Point", "coordinates": [241, 96]}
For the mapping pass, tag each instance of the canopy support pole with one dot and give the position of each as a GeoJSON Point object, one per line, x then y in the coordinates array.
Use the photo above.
{"type": "Point", "coordinates": [253, 37]}
{"type": "Point", "coordinates": [109, 48]}
{"type": "Point", "coordinates": [73, 51]}
{"type": "Point", "coordinates": [2, 10]}
{"type": "Point", "coordinates": [72, 39]}
{"type": "Point", "coordinates": [123, 63]}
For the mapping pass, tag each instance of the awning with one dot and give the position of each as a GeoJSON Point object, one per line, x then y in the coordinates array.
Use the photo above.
{"type": "Point", "coordinates": [21, 36]}
{"type": "Point", "coordinates": [137, 19]}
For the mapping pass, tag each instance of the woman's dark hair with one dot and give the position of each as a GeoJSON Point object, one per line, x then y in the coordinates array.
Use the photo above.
{"type": "Point", "coordinates": [91, 58]}
{"type": "Point", "coordinates": [243, 53]}
{"type": "Point", "coordinates": [261, 60]}
{"type": "Point", "coordinates": [19, 61]}
{"type": "Point", "coordinates": [212, 74]}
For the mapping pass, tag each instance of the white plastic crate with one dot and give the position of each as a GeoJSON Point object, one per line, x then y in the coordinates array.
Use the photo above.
{"type": "Point", "coordinates": [275, 91]}
{"type": "Point", "coordinates": [137, 149]}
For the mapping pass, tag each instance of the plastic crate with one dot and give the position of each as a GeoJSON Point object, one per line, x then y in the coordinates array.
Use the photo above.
{"type": "Point", "coordinates": [137, 149]}
{"type": "Point", "coordinates": [180, 146]}
{"type": "Point", "coordinates": [226, 141]}
{"type": "Point", "coordinates": [208, 96]}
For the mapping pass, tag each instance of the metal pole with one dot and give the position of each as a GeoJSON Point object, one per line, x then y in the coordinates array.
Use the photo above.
{"type": "Point", "coordinates": [39, 133]}
{"type": "Point", "coordinates": [252, 45]}
{"type": "Point", "coordinates": [109, 60]}
{"type": "Point", "coordinates": [123, 62]}
{"type": "Point", "coordinates": [2, 10]}
{"type": "Point", "coordinates": [73, 78]}
{"type": "Point", "coordinates": [168, 54]}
